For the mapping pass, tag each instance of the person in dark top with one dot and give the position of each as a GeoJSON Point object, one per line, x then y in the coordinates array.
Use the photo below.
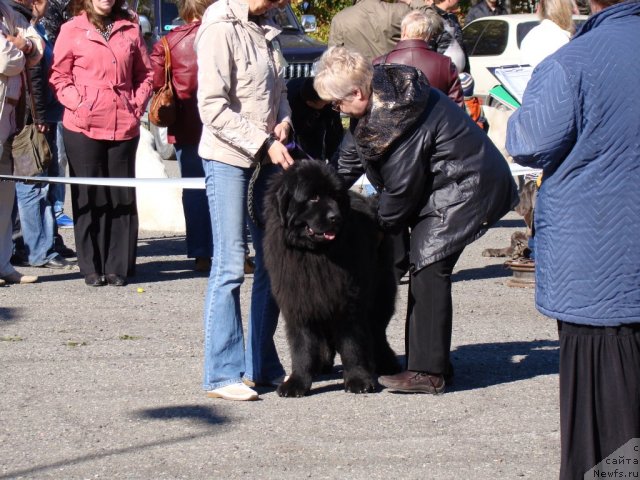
{"type": "Point", "coordinates": [317, 128]}
{"type": "Point", "coordinates": [484, 8]}
{"type": "Point", "coordinates": [435, 172]}
{"type": "Point", "coordinates": [35, 244]}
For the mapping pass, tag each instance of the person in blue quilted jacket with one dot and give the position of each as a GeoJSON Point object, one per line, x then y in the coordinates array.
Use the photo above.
{"type": "Point", "coordinates": [579, 122]}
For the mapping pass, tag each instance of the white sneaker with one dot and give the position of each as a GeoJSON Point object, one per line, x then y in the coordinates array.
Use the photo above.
{"type": "Point", "coordinates": [236, 391]}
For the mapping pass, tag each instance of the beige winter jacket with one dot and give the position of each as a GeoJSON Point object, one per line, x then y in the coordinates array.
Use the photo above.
{"type": "Point", "coordinates": [12, 60]}
{"type": "Point", "coordinates": [12, 63]}
{"type": "Point", "coordinates": [371, 27]}
{"type": "Point", "coordinates": [241, 94]}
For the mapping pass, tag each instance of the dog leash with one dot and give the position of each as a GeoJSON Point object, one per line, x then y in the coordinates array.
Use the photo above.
{"type": "Point", "coordinates": [251, 208]}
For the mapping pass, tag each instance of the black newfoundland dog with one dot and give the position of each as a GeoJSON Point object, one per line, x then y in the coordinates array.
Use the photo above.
{"type": "Point", "coordinates": [332, 276]}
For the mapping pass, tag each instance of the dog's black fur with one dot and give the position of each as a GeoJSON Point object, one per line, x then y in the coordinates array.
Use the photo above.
{"type": "Point", "coordinates": [332, 276]}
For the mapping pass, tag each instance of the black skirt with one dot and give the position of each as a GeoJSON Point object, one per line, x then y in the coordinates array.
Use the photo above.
{"type": "Point", "coordinates": [599, 393]}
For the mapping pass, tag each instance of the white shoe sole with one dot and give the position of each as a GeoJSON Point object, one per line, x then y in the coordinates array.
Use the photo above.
{"type": "Point", "coordinates": [238, 398]}
{"type": "Point", "coordinates": [238, 392]}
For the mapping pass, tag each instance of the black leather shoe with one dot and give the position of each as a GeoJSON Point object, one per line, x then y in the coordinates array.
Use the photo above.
{"type": "Point", "coordinates": [413, 382]}
{"type": "Point", "coordinates": [95, 280]}
{"type": "Point", "coordinates": [116, 280]}
{"type": "Point", "coordinates": [58, 262]}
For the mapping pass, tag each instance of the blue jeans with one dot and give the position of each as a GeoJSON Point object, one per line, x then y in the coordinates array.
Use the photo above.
{"type": "Point", "coordinates": [36, 222]}
{"type": "Point", "coordinates": [194, 204]}
{"type": "Point", "coordinates": [226, 360]}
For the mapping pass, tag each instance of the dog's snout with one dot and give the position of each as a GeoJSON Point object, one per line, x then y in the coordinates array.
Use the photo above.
{"type": "Point", "coordinates": [334, 217]}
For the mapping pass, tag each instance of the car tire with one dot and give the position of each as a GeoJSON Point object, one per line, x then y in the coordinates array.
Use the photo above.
{"type": "Point", "coordinates": [164, 148]}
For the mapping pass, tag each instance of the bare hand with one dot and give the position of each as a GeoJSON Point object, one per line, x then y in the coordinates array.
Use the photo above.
{"type": "Point", "coordinates": [279, 155]}
{"type": "Point", "coordinates": [19, 42]}
{"type": "Point", "coordinates": [281, 131]}
{"type": "Point", "coordinates": [42, 127]}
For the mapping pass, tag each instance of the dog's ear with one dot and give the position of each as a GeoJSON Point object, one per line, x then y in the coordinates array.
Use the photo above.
{"type": "Point", "coordinates": [283, 198]}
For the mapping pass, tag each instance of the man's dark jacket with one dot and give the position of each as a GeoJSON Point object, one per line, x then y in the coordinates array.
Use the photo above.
{"type": "Point", "coordinates": [436, 171]}
{"type": "Point", "coordinates": [439, 69]}
{"type": "Point", "coordinates": [482, 10]}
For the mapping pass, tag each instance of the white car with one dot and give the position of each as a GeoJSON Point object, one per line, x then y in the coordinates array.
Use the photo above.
{"type": "Point", "coordinates": [495, 42]}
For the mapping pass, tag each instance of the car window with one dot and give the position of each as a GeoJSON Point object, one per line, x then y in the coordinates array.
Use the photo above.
{"type": "Point", "coordinates": [493, 40]}
{"type": "Point", "coordinates": [471, 34]}
{"type": "Point", "coordinates": [286, 19]}
{"type": "Point", "coordinates": [168, 14]}
{"type": "Point", "coordinates": [523, 29]}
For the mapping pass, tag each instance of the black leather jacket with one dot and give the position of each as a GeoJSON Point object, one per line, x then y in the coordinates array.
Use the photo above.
{"type": "Point", "coordinates": [435, 170]}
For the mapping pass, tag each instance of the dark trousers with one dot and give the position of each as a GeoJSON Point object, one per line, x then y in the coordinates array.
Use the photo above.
{"type": "Point", "coordinates": [105, 219]}
{"type": "Point", "coordinates": [599, 394]}
{"type": "Point", "coordinates": [429, 317]}
{"type": "Point", "coordinates": [400, 242]}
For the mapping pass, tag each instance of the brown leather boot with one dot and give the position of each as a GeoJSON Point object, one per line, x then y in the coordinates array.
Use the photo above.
{"type": "Point", "coordinates": [413, 382]}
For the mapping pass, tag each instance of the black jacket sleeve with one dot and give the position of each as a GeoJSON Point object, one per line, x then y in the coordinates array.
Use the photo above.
{"type": "Point", "coordinates": [39, 91]}
{"type": "Point", "coordinates": [346, 160]}
{"type": "Point", "coordinates": [334, 134]}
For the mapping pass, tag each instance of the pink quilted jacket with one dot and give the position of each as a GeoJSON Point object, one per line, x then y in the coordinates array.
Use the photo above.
{"type": "Point", "coordinates": [104, 86]}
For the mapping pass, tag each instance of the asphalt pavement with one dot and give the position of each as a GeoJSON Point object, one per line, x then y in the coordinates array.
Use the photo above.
{"type": "Point", "coordinates": [106, 383]}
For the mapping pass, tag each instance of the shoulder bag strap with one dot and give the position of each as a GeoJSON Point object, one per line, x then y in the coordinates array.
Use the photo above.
{"type": "Point", "coordinates": [167, 63]}
{"type": "Point", "coordinates": [26, 82]}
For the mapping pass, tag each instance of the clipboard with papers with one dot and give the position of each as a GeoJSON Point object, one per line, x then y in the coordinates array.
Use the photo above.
{"type": "Point", "coordinates": [514, 78]}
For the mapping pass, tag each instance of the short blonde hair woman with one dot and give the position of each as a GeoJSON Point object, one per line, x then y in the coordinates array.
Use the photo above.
{"type": "Point", "coordinates": [421, 25]}
{"type": "Point", "coordinates": [343, 75]}
{"type": "Point", "coordinates": [436, 173]}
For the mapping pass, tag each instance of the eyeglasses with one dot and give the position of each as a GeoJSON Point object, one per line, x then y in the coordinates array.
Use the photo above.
{"type": "Point", "coordinates": [336, 104]}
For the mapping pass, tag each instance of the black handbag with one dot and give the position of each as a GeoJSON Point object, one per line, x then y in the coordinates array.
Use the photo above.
{"type": "Point", "coordinates": [29, 147]}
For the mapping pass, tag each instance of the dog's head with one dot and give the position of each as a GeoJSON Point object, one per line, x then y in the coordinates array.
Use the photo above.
{"type": "Point", "coordinates": [310, 202]}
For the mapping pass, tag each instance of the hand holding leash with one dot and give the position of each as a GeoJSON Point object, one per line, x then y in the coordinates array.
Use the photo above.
{"type": "Point", "coordinates": [279, 155]}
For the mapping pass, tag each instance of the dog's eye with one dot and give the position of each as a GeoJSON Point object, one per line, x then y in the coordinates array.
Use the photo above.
{"type": "Point", "coordinates": [315, 199]}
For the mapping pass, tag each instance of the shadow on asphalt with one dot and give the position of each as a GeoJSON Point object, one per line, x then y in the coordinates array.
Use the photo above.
{"type": "Point", "coordinates": [162, 246]}
{"type": "Point", "coordinates": [477, 366]}
{"type": "Point", "coordinates": [165, 271]}
{"type": "Point", "coordinates": [486, 364]}
{"type": "Point", "coordinates": [6, 314]}
{"type": "Point", "coordinates": [196, 413]}
{"type": "Point", "coordinates": [490, 271]}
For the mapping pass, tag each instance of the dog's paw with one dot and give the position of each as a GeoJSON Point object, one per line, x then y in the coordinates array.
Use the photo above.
{"type": "Point", "coordinates": [359, 385]}
{"type": "Point", "coordinates": [293, 387]}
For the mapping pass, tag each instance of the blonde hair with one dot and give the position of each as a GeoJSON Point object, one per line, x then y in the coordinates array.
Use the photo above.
{"type": "Point", "coordinates": [419, 25]}
{"type": "Point", "coordinates": [192, 9]}
{"type": "Point", "coordinates": [340, 72]}
{"type": "Point", "coordinates": [559, 12]}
